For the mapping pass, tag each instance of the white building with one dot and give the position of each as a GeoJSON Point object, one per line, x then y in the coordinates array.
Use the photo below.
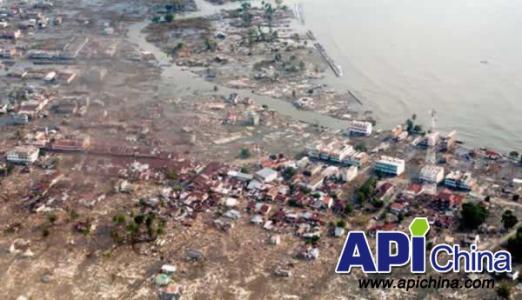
{"type": "Point", "coordinates": [460, 180]}
{"type": "Point", "coordinates": [3, 108]}
{"type": "Point", "coordinates": [304, 103]}
{"type": "Point", "coordinates": [360, 128]}
{"type": "Point", "coordinates": [431, 139]}
{"type": "Point", "coordinates": [266, 175]}
{"type": "Point", "coordinates": [253, 118]}
{"type": "Point", "coordinates": [330, 171]}
{"type": "Point", "coordinates": [23, 154]}
{"type": "Point", "coordinates": [390, 165]}
{"type": "Point", "coordinates": [432, 174]}
{"type": "Point", "coordinates": [349, 174]}
{"type": "Point", "coordinates": [337, 152]}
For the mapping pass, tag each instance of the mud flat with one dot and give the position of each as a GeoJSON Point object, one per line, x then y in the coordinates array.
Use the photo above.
{"type": "Point", "coordinates": [179, 81]}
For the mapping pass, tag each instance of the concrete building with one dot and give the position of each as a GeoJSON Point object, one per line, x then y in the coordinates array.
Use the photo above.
{"type": "Point", "coordinates": [337, 152]}
{"type": "Point", "coordinates": [14, 119]}
{"type": "Point", "coordinates": [430, 140]}
{"type": "Point", "coordinates": [315, 182]}
{"type": "Point", "coordinates": [7, 52]}
{"type": "Point", "coordinates": [253, 118]}
{"type": "Point", "coordinates": [23, 155]}
{"type": "Point", "coordinates": [432, 174]}
{"type": "Point", "coordinates": [266, 175]}
{"type": "Point", "coordinates": [304, 103]}
{"type": "Point", "coordinates": [390, 165]}
{"type": "Point", "coordinates": [459, 180]}
{"type": "Point", "coordinates": [3, 108]}
{"type": "Point", "coordinates": [349, 174]}
{"type": "Point", "coordinates": [449, 140]}
{"type": "Point", "coordinates": [10, 34]}
{"type": "Point", "coordinates": [240, 176]}
{"type": "Point", "coordinates": [360, 128]}
{"type": "Point", "coordinates": [356, 159]}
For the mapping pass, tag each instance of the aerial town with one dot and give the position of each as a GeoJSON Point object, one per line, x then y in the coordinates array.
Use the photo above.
{"type": "Point", "coordinates": [191, 149]}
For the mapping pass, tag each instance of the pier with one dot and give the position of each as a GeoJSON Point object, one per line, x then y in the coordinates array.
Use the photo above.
{"type": "Point", "coordinates": [354, 97]}
{"type": "Point", "coordinates": [338, 71]}
{"type": "Point", "coordinates": [299, 13]}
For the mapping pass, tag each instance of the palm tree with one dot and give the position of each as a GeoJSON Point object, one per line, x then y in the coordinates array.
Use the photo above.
{"type": "Point", "coordinates": [252, 36]}
{"type": "Point", "coordinates": [178, 4]}
{"type": "Point", "coordinates": [244, 12]}
{"type": "Point", "coordinates": [269, 14]}
{"type": "Point", "coordinates": [509, 220]}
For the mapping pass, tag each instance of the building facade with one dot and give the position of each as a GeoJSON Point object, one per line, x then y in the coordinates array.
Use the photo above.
{"type": "Point", "coordinates": [360, 128]}
{"type": "Point", "coordinates": [432, 174]}
{"type": "Point", "coordinates": [390, 165]}
{"type": "Point", "coordinates": [459, 180]}
{"type": "Point", "coordinates": [23, 155]}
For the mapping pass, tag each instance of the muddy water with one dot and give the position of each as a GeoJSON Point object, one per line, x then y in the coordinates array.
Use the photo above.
{"type": "Point", "coordinates": [460, 57]}
{"type": "Point", "coordinates": [179, 82]}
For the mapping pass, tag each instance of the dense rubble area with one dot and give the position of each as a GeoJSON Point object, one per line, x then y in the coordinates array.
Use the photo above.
{"type": "Point", "coordinates": [208, 170]}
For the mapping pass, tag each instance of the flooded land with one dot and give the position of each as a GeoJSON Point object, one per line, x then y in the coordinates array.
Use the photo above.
{"type": "Point", "coordinates": [198, 149]}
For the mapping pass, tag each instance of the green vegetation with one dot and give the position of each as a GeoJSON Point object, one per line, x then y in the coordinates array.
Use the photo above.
{"type": "Point", "coordinates": [210, 44]}
{"type": "Point", "coordinates": [288, 173]}
{"type": "Point", "coordinates": [143, 227]}
{"type": "Point", "coordinates": [341, 223]}
{"type": "Point", "coordinates": [178, 5]}
{"type": "Point", "coordinates": [472, 215]}
{"type": "Point", "coordinates": [244, 12]}
{"type": "Point", "coordinates": [45, 231]}
{"type": "Point", "coordinates": [252, 36]}
{"type": "Point", "coordinates": [7, 170]}
{"type": "Point", "coordinates": [293, 203]}
{"type": "Point", "coordinates": [119, 219]}
{"type": "Point", "coordinates": [367, 190]}
{"type": "Point", "coordinates": [171, 174]}
{"type": "Point", "coordinates": [377, 203]}
{"type": "Point", "coordinates": [313, 240]}
{"type": "Point", "coordinates": [279, 4]}
{"type": "Point", "coordinates": [361, 147]}
{"type": "Point", "coordinates": [514, 245]}
{"type": "Point", "coordinates": [178, 47]}
{"type": "Point", "coordinates": [73, 214]}
{"type": "Point", "coordinates": [169, 18]}
{"type": "Point", "coordinates": [509, 220]}
{"type": "Point", "coordinates": [514, 155]}
{"type": "Point", "coordinates": [411, 127]}
{"type": "Point", "coordinates": [504, 291]}
{"type": "Point", "coordinates": [269, 12]}
{"type": "Point", "coordinates": [244, 153]}
{"type": "Point", "coordinates": [348, 209]}
{"type": "Point", "coordinates": [51, 217]}
{"type": "Point", "coordinates": [84, 227]}
{"type": "Point", "coordinates": [302, 66]}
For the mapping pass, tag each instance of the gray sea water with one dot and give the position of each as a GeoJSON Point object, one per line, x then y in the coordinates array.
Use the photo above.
{"type": "Point", "coordinates": [461, 57]}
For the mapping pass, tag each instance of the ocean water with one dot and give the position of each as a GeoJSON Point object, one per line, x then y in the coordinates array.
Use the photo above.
{"type": "Point", "coordinates": [462, 58]}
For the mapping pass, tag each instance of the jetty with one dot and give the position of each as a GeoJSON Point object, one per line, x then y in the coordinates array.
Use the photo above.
{"type": "Point", "coordinates": [299, 13]}
{"type": "Point", "coordinates": [338, 71]}
{"type": "Point", "coordinates": [355, 97]}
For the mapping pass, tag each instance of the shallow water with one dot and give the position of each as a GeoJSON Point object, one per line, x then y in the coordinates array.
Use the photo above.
{"type": "Point", "coordinates": [177, 82]}
{"type": "Point", "coordinates": [461, 57]}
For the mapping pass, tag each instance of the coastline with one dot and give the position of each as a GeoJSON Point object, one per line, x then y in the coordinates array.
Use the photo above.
{"type": "Point", "coordinates": [280, 103]}
{"type": "Point", "coordinates": [396, 72]}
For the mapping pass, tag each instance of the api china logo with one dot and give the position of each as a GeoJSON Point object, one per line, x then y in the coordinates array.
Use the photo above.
{"type": "Point", "coordinates": [397, 249]}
